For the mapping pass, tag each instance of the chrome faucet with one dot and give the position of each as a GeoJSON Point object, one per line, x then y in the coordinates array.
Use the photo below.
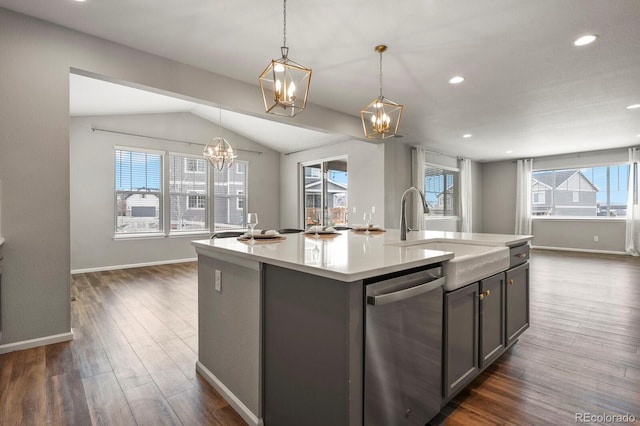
{"type": "Point", "coordinates": [403, 211]}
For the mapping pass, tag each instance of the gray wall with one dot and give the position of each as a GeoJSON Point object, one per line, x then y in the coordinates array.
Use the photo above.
{"type": "Point", "coordinates": [498, 197]}
{"type": "Point", "coordinates": [92, 177]}
{"type": "Point", "coordinates": [498, 211]}
{"type": "Point", "coordinates": [34, 152]}
{"type": "Point", "coordinates": [365, 165]}
{"type": "Point", "coordinates": [579, 234]}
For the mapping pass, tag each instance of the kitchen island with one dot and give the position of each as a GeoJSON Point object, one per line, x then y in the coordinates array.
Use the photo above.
{"type": "Point", "coordinates": [281, 323]}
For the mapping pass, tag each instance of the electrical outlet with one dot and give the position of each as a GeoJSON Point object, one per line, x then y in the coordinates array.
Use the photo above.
{"type": "Point", "coordinates": [218, 284]}
{"type": "Point", "coordinates": [354, 209]}
{"type": "Point", "coordinates": [373, 209]}
{"type": "Point", "coordinates": [596, 238]}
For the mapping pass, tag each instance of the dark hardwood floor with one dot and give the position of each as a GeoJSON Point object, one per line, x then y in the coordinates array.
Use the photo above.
{"type": "Point", "coordinates": [135, 341]}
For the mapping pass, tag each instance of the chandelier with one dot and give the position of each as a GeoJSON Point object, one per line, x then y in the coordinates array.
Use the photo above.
{"type": "Point", "coordinates": [219, 152]}
{"type": "Point", "coordinates": [381, 117]}
{"type": "Point", "coordinates": [285, 83]}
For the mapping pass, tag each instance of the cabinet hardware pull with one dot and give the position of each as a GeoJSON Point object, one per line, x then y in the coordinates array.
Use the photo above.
{"type": "Point", "coordinates": [510, 281]}
{"type": "Point", "coordinates": [484, 294]}
{"type": "Point", "coordinates": [521, 255]}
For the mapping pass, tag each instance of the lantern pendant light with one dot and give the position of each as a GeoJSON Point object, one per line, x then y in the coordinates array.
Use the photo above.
{"type": "Point", "coordinates": [381, 117]}
{"type": "Point", "coordinates": [219, 152]}
{"type": "Point", "coordinates": [285, 83]}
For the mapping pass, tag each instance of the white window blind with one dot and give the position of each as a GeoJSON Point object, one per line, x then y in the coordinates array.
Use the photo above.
{"type": "Point", "coordinates": [230, 194]}
{"type": "Point", "coordinates": [138, 191]}
{"type": "Point", "coordinates": [188, 189]}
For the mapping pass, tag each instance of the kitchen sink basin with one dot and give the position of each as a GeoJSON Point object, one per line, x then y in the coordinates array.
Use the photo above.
{"type": "Point", "coordinates": [471, 262]}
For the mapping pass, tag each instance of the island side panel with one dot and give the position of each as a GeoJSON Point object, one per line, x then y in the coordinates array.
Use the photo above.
{"type": "Point", "coordinates": [229, 329]}
{"type": "Point", "coordinates": [313, 349]}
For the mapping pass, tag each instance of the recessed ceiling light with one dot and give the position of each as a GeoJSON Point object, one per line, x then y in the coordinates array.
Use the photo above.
{"type": "Point", "coordinates": [584, 40]}
{"type": "Point", "coordinates": [466, 135]}
{"type": "Point", "coordinates": [456, 80]}
{"type": "Point", "coordinates": [634, 106]}
{"type": "Point", "coordinates": [508, 152]}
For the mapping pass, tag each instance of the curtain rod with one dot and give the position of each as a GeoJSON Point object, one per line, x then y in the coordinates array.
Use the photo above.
{"type": "Point", "coordinates": [96, 129]}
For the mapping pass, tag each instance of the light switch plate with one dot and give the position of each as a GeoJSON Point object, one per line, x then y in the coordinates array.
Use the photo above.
{"type": "Point", "coordinates": [218, 283]}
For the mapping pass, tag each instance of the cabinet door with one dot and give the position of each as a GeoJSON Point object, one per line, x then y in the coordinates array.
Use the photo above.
{"type": "Point", "coordinates": [460, 338]}
{"type": "Point", "coordinates": [517, 302]}
{"type": "Point", "coordinates": [492, 335]}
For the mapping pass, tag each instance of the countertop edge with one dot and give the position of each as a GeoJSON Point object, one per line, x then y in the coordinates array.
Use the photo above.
{"type": "Point", "coordinates": [205, 249]}
{"type": "Point", "coordinates": [1, 241]}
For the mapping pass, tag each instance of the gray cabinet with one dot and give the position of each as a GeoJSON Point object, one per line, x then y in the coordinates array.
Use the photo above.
{"type": "Point", "coordinates": [460, 346]}
{"type": "Point", "coordinates": [481, 320]}
{"type": "Point", "coordinates": [492, 315]}
{"type": "Point", "coordinates": [516, 302]}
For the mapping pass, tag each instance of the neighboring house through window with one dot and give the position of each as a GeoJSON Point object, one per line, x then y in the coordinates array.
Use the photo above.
{"type": "Point", "coordinates": [139, 191]}
{"type": "Point", "coordinates": [581, 192]}
{"type": "Point", "coordinates": [441, 189]}
{"type": "Point", "coordinates": [230, 195]}
{"type": "Point", "coordinates": [189, 189]}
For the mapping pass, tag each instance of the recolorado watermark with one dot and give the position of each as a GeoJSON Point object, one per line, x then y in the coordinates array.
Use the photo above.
{"type": "Point", "coordinates": [604, 418]}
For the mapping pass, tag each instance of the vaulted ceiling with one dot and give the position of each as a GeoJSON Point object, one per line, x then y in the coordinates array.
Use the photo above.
{"type": "Point", "coordinates": [528, 91]}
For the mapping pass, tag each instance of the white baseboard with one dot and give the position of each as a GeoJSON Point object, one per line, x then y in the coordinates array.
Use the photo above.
{"type": "Point", "coordinates": [228, 396]}
{"type": "Point", "coordinates": [623, 253]}
{"type": "Point", "coordinates": [132, 265]}
{"type": "Point", "coordinates": [34, 343]}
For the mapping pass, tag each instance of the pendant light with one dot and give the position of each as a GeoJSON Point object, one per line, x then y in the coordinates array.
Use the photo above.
{"type": "Point", "coordinates": [381, 117]}
{"type": "Point", "coordinates": [219, 152]}
{"type": "Point", "coordinates": [284, 83]}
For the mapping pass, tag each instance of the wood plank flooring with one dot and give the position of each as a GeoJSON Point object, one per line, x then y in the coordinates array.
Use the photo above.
{"type": "Point", "coordinates": [580, 354]}
{"type": "Point", "coordinates": [135, 342]}
{"type": "Point", "coordinates": [132, 360]}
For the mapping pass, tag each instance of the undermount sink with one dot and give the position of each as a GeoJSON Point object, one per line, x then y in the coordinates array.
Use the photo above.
{"type": "Point", "coordinates": [471, 262]}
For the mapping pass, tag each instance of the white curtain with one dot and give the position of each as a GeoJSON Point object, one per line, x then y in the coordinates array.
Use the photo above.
{"type": "Point", "coordinates": [417, 180]}
{"type": "Point", "coordinates": [523, 197]}
{"type": "Point", "coordinates": [632, 243]}
{"type": "Point", "coordinates": [466, 196]}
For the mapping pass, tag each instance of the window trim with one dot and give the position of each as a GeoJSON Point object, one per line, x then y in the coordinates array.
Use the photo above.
{"type": "Point", "coordinates": [160, 194]}
{"type": "Point", "coordinates": [428, 164]}
{"type": "Point", "coordinates": [579, 218]}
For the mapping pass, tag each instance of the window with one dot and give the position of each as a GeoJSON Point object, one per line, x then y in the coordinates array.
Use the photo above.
{"type": "Point", "coordinates": [441, 189]}
{"type": "Point", "coordinates": [138, 191]}
{"type": "Point", "coordinates": [538, 198]}
{"type": "Point", "coordinates": [325, 190]}
{"type": "Point", "coordinates": [194, 165]}
{"type": "Point", "coordinates": [188, 191]}
{"type": "Point", "coordinates": [240, 200]}
{"type": "Point", "coordinates": [581, 192]}
{"type": "Point", "coordinates": [230, 195]}
{"type": "Point", "coordinates": [197, 201]}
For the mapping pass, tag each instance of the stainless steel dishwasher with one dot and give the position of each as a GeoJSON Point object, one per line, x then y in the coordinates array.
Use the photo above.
{"type": "Point", "coordinates": [403, 348]}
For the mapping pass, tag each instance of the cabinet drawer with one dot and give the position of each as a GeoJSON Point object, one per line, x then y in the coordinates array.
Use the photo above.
{"type": "Point", "coordinates": [518, 255]}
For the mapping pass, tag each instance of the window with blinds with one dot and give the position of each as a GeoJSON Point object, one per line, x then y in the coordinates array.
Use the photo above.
{"type": "Point", "coordinates": [138, 191]}
{"type": "Point", "coordinates": [442, 190]}
{"type": "Point", "coordinates": [188, 192]}
{"type": "Point", "coordinates": [230, 195]}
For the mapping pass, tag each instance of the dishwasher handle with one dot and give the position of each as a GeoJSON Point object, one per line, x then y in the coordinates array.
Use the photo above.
{"type": "Point", "coordinates": [397, 296]}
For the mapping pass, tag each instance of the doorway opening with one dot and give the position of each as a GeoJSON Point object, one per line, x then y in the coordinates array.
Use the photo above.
{"type": "Point", "coordinates": [325, 193]}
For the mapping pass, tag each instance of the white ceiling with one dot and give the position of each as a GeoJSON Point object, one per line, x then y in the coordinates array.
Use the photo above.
{"type": "Point", "coordinates": [528, 90]}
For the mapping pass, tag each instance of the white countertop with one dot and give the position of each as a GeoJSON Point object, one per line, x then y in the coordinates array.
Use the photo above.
{"type": "Point", "coordinates": [1, 241]}
{"type": "Point", "coordinates": [350, 256]}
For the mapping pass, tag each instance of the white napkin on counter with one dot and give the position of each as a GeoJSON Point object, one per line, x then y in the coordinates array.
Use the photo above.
{"type": "Point", "coordinates": [364, 227]}
{"type": "Point", "coordinates": [263, 232]}
{"type": "Point", "coordinates": [319, 228]}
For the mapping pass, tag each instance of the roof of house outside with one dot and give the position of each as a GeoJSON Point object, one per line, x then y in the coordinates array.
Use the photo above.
{"type": "Point", "coordinates": [561, 176]}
